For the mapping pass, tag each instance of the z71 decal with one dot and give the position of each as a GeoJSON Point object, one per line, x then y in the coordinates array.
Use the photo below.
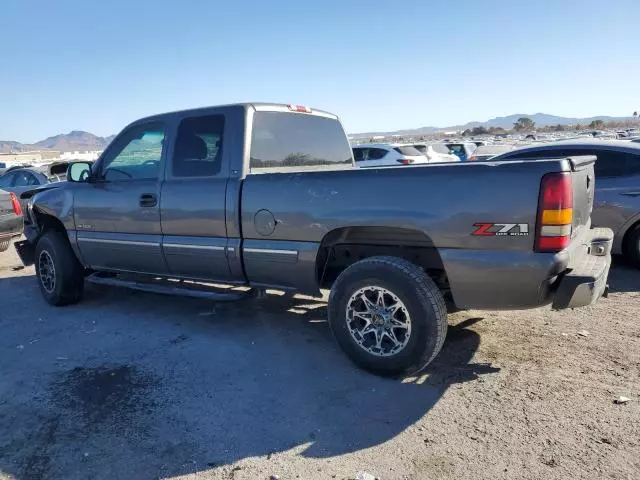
{"type": "Point", "coordinates": [501, 229]}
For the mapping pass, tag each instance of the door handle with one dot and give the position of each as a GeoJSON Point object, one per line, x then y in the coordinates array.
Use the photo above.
{"type": "Point", "coordinates": [148, 200]}
{"type": "Point", "coordinates": [631, 194]}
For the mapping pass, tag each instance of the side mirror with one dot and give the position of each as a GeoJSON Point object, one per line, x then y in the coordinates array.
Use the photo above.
{"type": "Point", "coordinates": [78, 171]}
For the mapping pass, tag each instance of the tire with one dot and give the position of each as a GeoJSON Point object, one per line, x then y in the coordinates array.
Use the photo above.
{"type": "Point", "coordinates": [632, 247]}
{"type": "Point", "coordinates": [422, 303]}
{"type": "Point", "coordinates": [64, 283]}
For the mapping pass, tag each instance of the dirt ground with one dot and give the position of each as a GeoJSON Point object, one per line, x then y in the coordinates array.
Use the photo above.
{"type": "Point", "coordinates": [131, 385]}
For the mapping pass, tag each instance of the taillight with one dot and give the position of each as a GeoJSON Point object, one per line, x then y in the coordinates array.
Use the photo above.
{"type": "Point", "coordinates": [405, 161]}
{"type": "Point", "coordinates": [17, 209]}
{"type": "Point", "coordinates": [555, 213]}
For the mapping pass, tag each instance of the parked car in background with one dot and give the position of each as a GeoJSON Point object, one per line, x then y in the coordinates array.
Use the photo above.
{"type": "Point", "coordinates": [485, 152]}
{"type": "Point", "coordinates": [462, 150]}
{"type": "Point", "coordinates": [10, 219]}
{"type": "Point", "coordinates": [386, 154]}
{"type": "Point", "coordinates": [617, 193]}
{"type": "Point", "coordinates": [3, 168]}
{"type": "Point", "coordinates": [435, 152]}
{"type": "Point", "coordinates": [19, 180]}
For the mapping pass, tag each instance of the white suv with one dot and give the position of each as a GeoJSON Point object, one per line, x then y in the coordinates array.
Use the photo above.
{"type": "Point", "coordinates": [386, 154]}
{"type": "Point", "coordinates": [436, 152]}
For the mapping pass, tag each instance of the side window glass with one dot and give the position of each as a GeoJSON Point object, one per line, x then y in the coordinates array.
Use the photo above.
{"type": "Point", "coordinates": [633, 164]}
{"type": "Point", "coordinates": [358, 154]}
{"type": "Point", "coordinates": [7, 180]}
{"type": "Point", "coordinates": [610, 164]}
{"type": "Point", "coordinates": [135, 155]}
{"type": "Point", "coordinates": [198, 151]}
{"type": "Point", "coordinates": [377, 153]}
{"type": "Point", "coordinates": [24, 179]}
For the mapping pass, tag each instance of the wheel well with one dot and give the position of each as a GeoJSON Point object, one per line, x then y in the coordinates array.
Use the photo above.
{"type": "Point", "coordinates": [47, 222]}
{"type": "Point", "coordinates": [343, 247]}
{"type": "Point", "coordinates": [627, 236]}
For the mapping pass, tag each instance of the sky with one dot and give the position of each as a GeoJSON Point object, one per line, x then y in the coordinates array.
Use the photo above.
{"type": "Point", "coordinates": [380, 65]}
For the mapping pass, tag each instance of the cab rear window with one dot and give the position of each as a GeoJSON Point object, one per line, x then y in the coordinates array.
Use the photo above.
{"type": "Point", "coordinates": [297, 141]}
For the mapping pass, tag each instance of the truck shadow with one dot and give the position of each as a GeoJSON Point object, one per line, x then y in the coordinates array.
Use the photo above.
{"type": "Point", "coordinates": [197, 385]}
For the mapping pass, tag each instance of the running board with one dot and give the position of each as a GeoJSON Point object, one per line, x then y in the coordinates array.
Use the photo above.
{"type": "Point", "coordinates": [182, 288]}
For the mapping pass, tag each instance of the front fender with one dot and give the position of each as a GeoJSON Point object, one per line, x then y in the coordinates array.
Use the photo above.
{"type": "Point", "coordinates": [56, 203]}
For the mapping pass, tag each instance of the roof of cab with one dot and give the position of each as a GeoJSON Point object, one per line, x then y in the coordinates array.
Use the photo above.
{"type": "Point", "coordinates": [209, 109]}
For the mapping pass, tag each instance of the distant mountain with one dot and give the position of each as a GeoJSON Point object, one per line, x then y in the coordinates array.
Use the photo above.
{"type": "Point", "coordinates": [541, 120]}
{"type": "Point", "coordinates": [76, 140]}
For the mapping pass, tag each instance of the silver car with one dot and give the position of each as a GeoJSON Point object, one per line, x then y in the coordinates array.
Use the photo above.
{"type": "Point", "coordinates": [617, 196]}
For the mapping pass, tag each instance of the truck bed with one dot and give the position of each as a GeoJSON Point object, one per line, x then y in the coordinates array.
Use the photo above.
{"type": "Point", "coordinates": [432, 206]}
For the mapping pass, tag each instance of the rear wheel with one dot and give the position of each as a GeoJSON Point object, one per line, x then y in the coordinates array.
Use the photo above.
{"type": "Point", "coordinates": [632, 247]}
{"type": "Point", "coordinates": [60, 275]}
{"type": "Point", "coordinates": [387, 315]}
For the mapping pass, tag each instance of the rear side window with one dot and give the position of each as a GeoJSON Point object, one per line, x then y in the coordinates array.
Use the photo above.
{"type": "Point", "coordinates": [633, 164]}
{"type": "Point", "coordinates": [282, 141]}
{"type": "Point", "coordinates": [376, 153]}
{"type": "Point", "coordinates": [613, 164]}
{"type": "Point", "coordinates": [7, 180]}
{"type": "Point", "coordinates": [198, 151]}
{"type": "Point", "coordinates": [408, 151]}
{"type": "Point", "coordinates": [609, 163]}
{"type": "Point", "coordinates": [440, 148]}
{"type": "Point", "coordinates": [25, 179]}
{"type": "Point", "coordinates": [359, 154]}
{"type": "Point", "coordinates": [421, 148]}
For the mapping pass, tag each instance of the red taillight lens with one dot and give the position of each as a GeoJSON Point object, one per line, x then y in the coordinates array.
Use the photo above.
{"type": "Point", "coordinates": [555, 213]}
{"type": "Point", "coordinates": [406, 161]}
{"type": "Point", "coordinates": [17, 209]}
{"type": "Point", "coordinates": [557, 193]}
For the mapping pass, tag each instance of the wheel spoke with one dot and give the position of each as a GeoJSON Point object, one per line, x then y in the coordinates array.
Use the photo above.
{"type": "Point", "coordinates": [390, 334]}
{"type": "Point", "coordinates": [380, 299]}
{"type": "Point", "coordinates": [378, 334]}
{"type": "Point", "coordinates": [367, 330]}
{"type": "Point", "coordinates": [367, 303]}
{"type": "Point", "coordinates": [395, 323]}
{"type": "Point", "coordinates": [378, 321]}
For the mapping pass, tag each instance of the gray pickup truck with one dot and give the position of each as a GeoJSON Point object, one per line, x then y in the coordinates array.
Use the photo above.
{"type": "Point", "coordinates": [265, 196]}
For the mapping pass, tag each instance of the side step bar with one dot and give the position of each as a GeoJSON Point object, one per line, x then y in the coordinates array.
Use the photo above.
{"type": "Point", "coordinates": [180, 288]}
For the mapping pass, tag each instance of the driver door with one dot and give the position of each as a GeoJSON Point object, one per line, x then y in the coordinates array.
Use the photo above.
{"type": "Point", "coordinates": [117, 213]}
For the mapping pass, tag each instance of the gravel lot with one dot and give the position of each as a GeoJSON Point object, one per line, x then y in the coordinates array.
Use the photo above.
{"type": "Point", "coordinates": [132, 385]}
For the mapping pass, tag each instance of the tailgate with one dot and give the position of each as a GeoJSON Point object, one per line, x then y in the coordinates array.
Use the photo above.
{"type": "Point", "coordinates": [583, 183]}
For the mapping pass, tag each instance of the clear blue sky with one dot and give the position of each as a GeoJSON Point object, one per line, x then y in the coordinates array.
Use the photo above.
{"type": "Point", "coordinates": [380, 65]}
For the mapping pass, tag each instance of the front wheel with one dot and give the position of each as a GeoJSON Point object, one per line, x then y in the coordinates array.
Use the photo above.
{"type": "Point", "coordinates": [60, 275]}
{"type": "Point", "coordinates": [388, 316]}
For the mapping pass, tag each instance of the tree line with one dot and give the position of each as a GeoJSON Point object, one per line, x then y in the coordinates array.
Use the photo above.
{"type": "Point", "coordinates": [525, 124]}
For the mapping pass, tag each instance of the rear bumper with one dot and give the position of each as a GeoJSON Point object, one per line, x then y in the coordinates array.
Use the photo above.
{"type": "Point", "coordinates": [587, 273]}
{"type": "Point", "coordinates": [517, 280]}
